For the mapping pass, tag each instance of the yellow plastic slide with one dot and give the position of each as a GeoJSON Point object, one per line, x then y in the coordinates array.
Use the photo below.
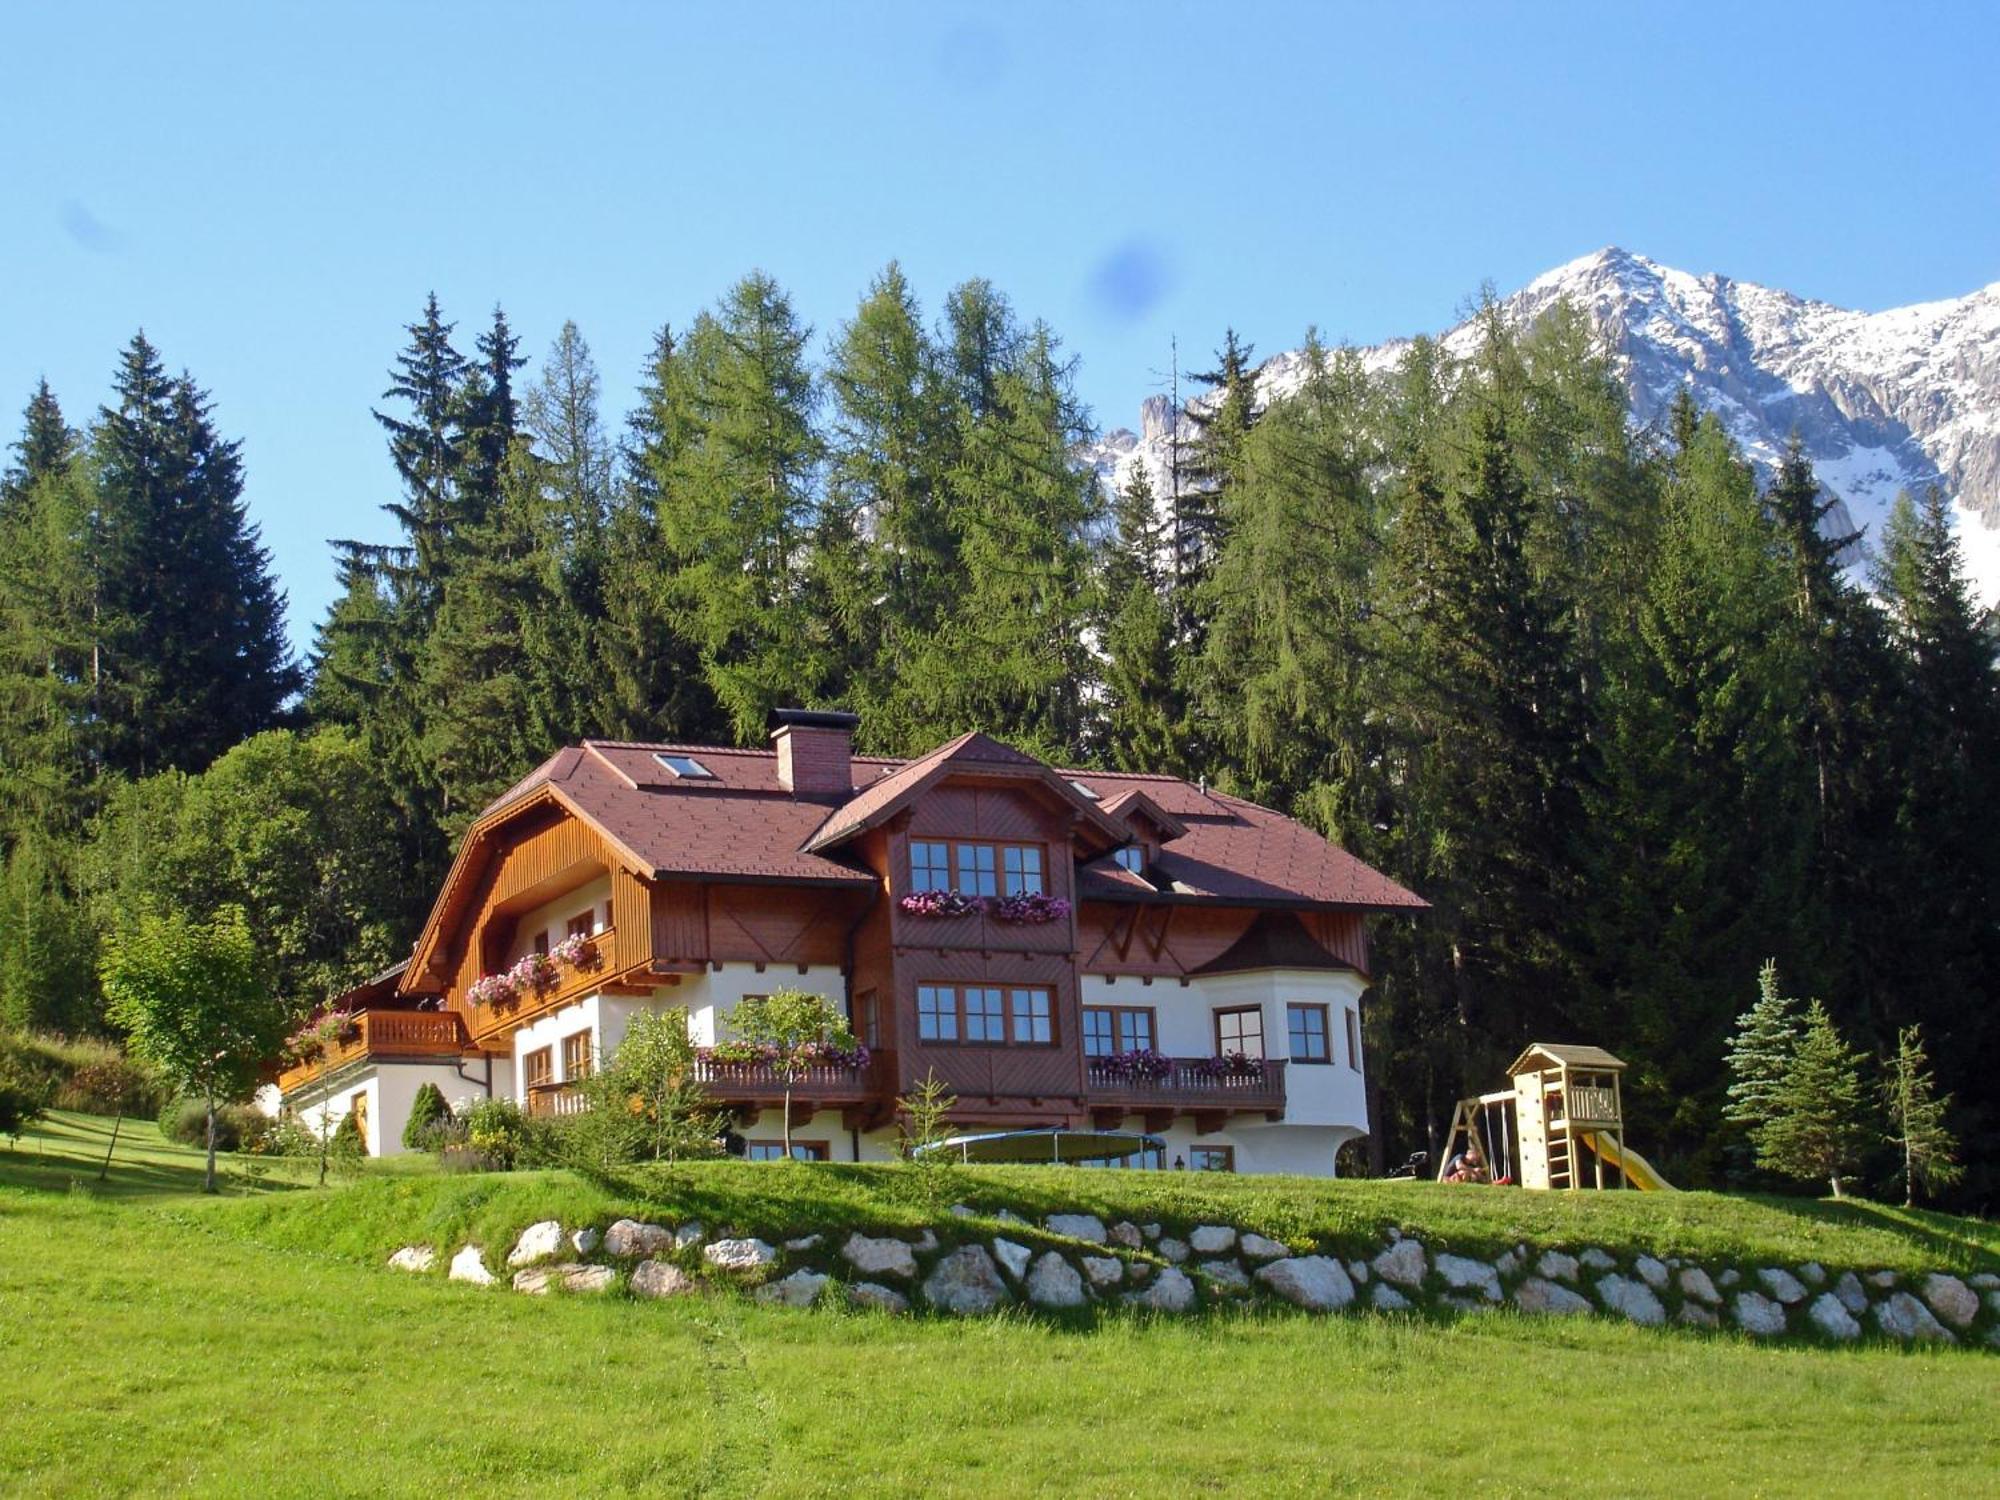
{"type": "Point", "coordinates": [1638, 1171]}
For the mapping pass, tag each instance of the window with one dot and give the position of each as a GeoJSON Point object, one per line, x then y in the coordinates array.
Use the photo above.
{"type": "Point", "coordinates": [1354, 1041]}
{"type": "Point", "coordinates": [930, 866]}
{"type": "Point", "coordinates": [358, 1107]}
{"type": "Point", "coordinates": [577, 1054]}
{"type": "Point", "coordinates": [541, 943]}
{"type": "Point", "coordinates": [1031, 1016]}
{"type": "Point", "coordinates": [984, 1014]}
{"type": "Point", "coordinates": [581, 924]}
{"type": "Point", "coordinates": [537, 1068]}
{"type": "Point", "coordinates": [937, 1013]}
{"type": "Point", "coordinates": [684, 766]}
{"type": "Point", "coordinates": [1146, 1159]}
{"type": "Point", "coordinates": [976, 869]}
{"type": "Point", "coordinates": [868, 1018]}
{"type": "Point", "coordinates": [1212, 1158]}
{"type": "Point", "coordinates": [1305, 1029]}
{"type": "Point", "coordinates": [605, 925]}
{"type": "Point", "coordinates": [1132, 857]}
{"type": "Point", "coordinates": [1084, 791]}
{"type": "Point", "coordinates": [775, 1150]}
{"type": "Point", "coordinates": [1117, 1028]}
{"type": "Point", "coordinates": [1022, 866]}
{"type": "Point", "coordinates": [1240, 1030]}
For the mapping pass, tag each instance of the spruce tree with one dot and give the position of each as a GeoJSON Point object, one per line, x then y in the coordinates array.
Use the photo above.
{"type": "Point", "coordinates": [1917, 1119]}
{"type": "Point", "coordinates": [1222, 424]}
{"type": "Point", "coordinates": [427, 446]}
{"type": "Point", "coordinates": [1820, 1123]}
{"type": "Point", "coordinates": [1144, 710]}
{"type": "Point", "coordinates": [1761, 1053]}
{"type": "Point", "coordinates": [44, 448]}
{"type": "Point", "coordinates": [489, 416]}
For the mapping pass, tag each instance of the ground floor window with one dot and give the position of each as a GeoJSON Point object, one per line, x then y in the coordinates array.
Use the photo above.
{"type": "Point", "coordinates": [358, 1107]}
{"type": "Point", "coordinates": [775, 1150]}
{"type": "Point", "coordinates": [1212, 1158]}
{"type": "Point", "coordinates": [1151, 1159]}
{"type": "Point", "coordinates": [577, 1054]}
{"type": "Point", "coordinates": [537, 1068]}
{"type": "Point", "coordinates": [1117, 1028]}
{"type": "Point", "coordinates": [1354, 1041]}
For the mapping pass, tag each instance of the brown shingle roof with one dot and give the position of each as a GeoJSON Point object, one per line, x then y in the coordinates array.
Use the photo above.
{"type": "Point", "coordinates": [741, 824]}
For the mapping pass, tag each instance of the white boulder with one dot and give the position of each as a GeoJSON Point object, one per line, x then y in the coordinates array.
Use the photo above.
{"type": "Point", "coordinates": [585, 1240]}
{"type": "Point", "coordinates": [1212, 1239]}
{"type": "Point", "coordinates": [1014, 1257]}
{"type": "Point", "coordinates": [1172, 1250]}
{"type": "Point", "coordinates": [1553, 1265]}
{"type": "Point", "coordinates": [872, 1294]}
{"type": "Point", "coordinates": [1783, 1285]}
{"type": "Point", "coordinates": [1317, 1282]}
{"type": "Point", "coordinates": [879, 1257]}
{"type": "Point", "coordinates": [1464, 1274]}
{"type": "Point", "coordinates": [738, 1255]}
{"type": "Point", "coordinates": [1902, 1316]}
{"type": "Point", "coordinates": [1104, 1270]}
{"type": "Point", "coordinates": [413, 1258]}
{"type": "Point", "coordinates": [1759, 1315]}
{"type": "Point", "coordinates": [800, 1289]}
{"type": "Point", "coordinates": [1226, 1275]}
{"type": "Point", "coordinates": [1171, 1292]}
{"type": "Point", "coordinates": [1652, 1272]}
{"type": "Point", "coordinates": [537, 1242]}
{"type": "Point", "coordinates": [1832, 1319]}
{"type": "Point", "coordinates": [1631, 1299]}
{"type": "Point", "coordinates": [662, 1278]}
{"type": "Point", "coordinates": [1536, 1295]}
{"type": "Point", "coordinates": [469, 1266]}
{"type": "Point", "coordinates": [1077, 1226]}
{"type": "Point", "coordinates": [1849, 1290]}
{"type": "Point", "coordinates": [1257, 1247]}
{"type": "Point", "coordinates": [1402, 1263]}
{"type": "Point", "coordinates": [630, 1237]}
{"type": "Point", "coordinates": [1054, 1282]}
{"type": "Point", "coordinates": [1387, 1299]}
{"type": "Point", "coordinates": [1951, 1299]}
{"type": "Point", "coordinates": [1695, 1284]}
{"type": "Point", "coordinates": [966, 1281]}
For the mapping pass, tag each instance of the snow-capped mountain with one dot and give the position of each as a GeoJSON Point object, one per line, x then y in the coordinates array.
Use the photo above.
{"type": "Point", "coordinates": [1885, 401]}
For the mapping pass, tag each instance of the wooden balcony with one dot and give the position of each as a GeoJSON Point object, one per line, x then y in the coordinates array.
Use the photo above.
{"type": "Point", "coordinates": [757, 1083]}
{"type": "Point", "coordinates": [381, 1034]}
{"type": "Point", "coordinates": [554, 1100]}
{"type": "Point", "coordinates": [1191, 1086]}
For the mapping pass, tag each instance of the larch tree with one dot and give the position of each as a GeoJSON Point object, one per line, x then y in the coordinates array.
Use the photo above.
{"type": "Point", "coordinates": [1917, 1119]}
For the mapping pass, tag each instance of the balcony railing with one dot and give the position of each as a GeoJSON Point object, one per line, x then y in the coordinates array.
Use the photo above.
{"type": "Point", "coordinates": [551, 1100]}
{"type": "Point", "coordinates": [1190, 1083]}
{"type": "Point", "coordinates": [381, 1033]}
{"type": "Point", "coordinates": [764, 1083]}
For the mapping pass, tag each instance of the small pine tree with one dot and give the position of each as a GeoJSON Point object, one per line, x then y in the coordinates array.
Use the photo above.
{"type": "Point", "coordinates": [1761, 1052]}
{"type": "Point", "coordinates": [1819, 1128]}
{"type": "Point", "coordinates": [427, 1110]}
{"type": "Point", "coordinates": [1916, 1119]}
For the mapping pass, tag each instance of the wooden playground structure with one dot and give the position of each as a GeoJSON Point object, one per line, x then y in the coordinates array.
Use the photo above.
{"type": "Point", "coordinates": [1561, 1125]}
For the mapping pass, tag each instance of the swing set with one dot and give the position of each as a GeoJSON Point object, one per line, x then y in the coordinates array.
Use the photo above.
{"type": "Point", "coordinates": [1560, 1126]}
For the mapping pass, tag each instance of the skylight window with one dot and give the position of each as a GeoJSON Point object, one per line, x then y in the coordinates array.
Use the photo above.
{"type": "Point", "coordinates": [685, 766]}
{"type": "Point", "coordinates": [1085, 790]}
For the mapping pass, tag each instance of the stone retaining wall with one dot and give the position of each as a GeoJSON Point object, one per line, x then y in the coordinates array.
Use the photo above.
{"type": "Point", "coordinates": [1076, 1261]}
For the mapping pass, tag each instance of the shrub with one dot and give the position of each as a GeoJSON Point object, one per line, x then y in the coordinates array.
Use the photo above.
{"type": "Point", "coordinates": [87, 1074]}
{"type": "Point", "coordinates": [287, 1136]}
{"type": "Point", "coordinates": [427, 1110]}
{"type": "Point", "coordinates": [23, 1095]}
{"type": "Point", "coordinates": [238, 1127]}
{"type": "Point", "coordinates": [347, 1144]}
{"type": "Point", "coordinates": [495, 1128]}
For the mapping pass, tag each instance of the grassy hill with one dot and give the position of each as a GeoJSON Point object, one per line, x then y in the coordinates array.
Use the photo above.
{"type": "Point", "coordinates": [253, 1343]}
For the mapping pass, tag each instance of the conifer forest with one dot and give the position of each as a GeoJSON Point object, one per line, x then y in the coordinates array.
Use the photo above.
{"type": "Point", "coordinates": [1614, 704]}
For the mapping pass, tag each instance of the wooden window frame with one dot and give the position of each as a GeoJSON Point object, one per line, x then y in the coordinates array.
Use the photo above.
{"type": "Point", "coordinates": [820, 1150]}
{"type": "Point", "coordinates": [929, 869]}
{"type": "Point", "coordinates": [1240, 1010]}
{"type": "Point", "coordinates": [961, 1016]}
{"type": "Point", "coordinates": [539, 943]}
{"type": "Point", "coordinates": [1117, 1013]}
{"type": "Point", "coordinates": [1227, 1153]}
{"type": "Point", "coordinates": [583, 924]}
{"type": "Point", "coordinates": [589, 1050]}
{"type": "Point", "coordinates": [868, 1018]}
{"type": "Point", "coordinates": [1353, 1038]}
{"type": "Point", "coordinates": [1016, 1016]}
{"type": "Point", "coordinates": [547, 1054]}
{"type": "Point", "coordinates": [1130, 857]}
{"type": "Point", "coordinates": [1326, 1058]}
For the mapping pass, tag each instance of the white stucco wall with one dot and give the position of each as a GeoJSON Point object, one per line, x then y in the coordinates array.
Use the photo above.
{"type": "Point", "coordinates": [391, 1088]}
{"type": "Point", "coordinates": [1333, 1093]}
{"type": "Point", "coordinates": [553, 917]}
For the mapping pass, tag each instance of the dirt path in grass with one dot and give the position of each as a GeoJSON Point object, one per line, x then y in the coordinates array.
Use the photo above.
{"type": "Point", "coordinates": [736, 1454]}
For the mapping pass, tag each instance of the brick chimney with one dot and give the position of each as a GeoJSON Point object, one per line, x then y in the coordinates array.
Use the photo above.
{"type": "Point", "coordinates": [815, 753]}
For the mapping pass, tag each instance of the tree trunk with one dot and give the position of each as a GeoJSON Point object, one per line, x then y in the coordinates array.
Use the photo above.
{"type": "Point", "coordinates": [208, 1183]}
{"type": "Point", "coordinates": [786, 1133]}
{"type": "Point", "coordinates": [1909, 1176]}
{"type": "Point", "coordinates": [1835, 1179]}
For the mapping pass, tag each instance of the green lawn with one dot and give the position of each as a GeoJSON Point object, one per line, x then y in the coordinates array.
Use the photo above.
{"type": "Point", "coordinates": [163, 1342]}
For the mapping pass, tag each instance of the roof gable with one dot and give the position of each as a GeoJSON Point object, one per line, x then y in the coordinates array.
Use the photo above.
{"type": "Point", "coordinates": [1275, 940]}
{"type": "Point", "coordinates": [972, 754]}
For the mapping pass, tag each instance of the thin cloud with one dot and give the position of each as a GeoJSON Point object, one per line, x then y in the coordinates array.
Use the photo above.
{"type": "Point", "coordinates": [89, 231]}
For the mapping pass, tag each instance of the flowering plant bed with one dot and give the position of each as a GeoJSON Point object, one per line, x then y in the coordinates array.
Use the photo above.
{"type": "Point", "coordinates": [942, 904]}
{"type": "Point", "coordinates": [1142, 1065]}
{"type": "Point", "coordinates": [1233, 1065]}
{"type": "Point", "coordinates": [309, 1042]}
{"type": "Point", "coordinates": [769, 1055]}
{"type": "Point", "coordinates": [1030, 909]}
{"type": "Point", "coordinates": [537, 973]}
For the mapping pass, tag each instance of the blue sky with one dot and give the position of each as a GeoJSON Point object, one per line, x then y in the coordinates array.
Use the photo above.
{"type": "Point", "coordinates": [270, 190]}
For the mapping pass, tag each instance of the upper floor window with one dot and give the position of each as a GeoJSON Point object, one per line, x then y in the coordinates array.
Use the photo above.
{"type": "Point", "coordinates": [541, 943]}
{"type": "Point", "coordinates": [985, 1014]}
{"type": "Point", "coordinates": [1117, 1028]}
{"type": "Point", "coordinates": [685, 766]}
{"type": "Point", "coordinates": [1305, 1031]}
{"type": "Point", "coordinates": [1132, 857]}
{"type": "Point", "coordinates": [1240, 1029]}
{"type": "Point", "coordinates": [582, 924]}
{"type": "Point", "coordinates": [975, 869]}
{"type": "Point", "coordinates": [930, 866]}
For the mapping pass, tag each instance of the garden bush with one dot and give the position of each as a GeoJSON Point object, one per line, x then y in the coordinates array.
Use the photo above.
{"type": "Point", "coordinates": [238, 1127]}
{"type": "Point", "coordinates": [428, 1112]}
{"type": "Point", "coordinates": [24, 1094]}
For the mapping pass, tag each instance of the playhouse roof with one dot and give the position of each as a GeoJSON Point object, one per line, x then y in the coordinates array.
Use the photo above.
{"type": "Point", "coordinates": [1567, 1054]}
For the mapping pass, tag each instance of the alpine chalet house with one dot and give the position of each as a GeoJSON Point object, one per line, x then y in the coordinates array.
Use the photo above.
{"type": "Point", "coordinates": [1064, 948]}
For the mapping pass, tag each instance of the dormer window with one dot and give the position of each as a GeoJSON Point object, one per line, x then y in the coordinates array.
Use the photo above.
{"type": "Point", "coordinates": [1132, 857]}
{"type": "Point", "coordinates": [684, 766]}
